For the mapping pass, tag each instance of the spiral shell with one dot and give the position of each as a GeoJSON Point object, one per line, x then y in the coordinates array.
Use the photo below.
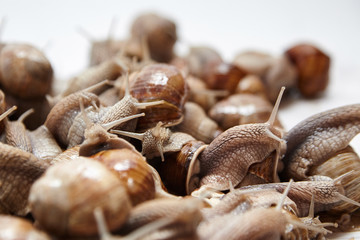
{"type": "Point", "coordinates": [160, 82]}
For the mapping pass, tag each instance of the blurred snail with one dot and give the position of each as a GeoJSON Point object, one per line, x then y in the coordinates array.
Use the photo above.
{"type": "Point", "coordinates": [198, 124]}
{"type": "Point", "coordinates": [160, 82]}
{"type": "Point", "coordinates": [39, 142]}
{"type": "Point", "coordinates": [25, 71]}
{"type": "Point", "coordinates": [18, 170]}
{"type": "Point", "coordinates": [200, 93]}
{"type": "Point", "coordinates": [252, 84]}
{"type": "Point", "coordinates": [312, 67]}
{"type": "Point", "coordinates": [201, 60]}
{"type": "Point", "coordinates": [159, 33]}
{"type": "Point", "coordinates": [241, 109]}
{"type": "Point", "coordinates": [254, 62]}
{"type": "Point", "coordinates": [185, 212]}
{"type": "Point", "coordinates": [131, 168]}
{"type": "Point", "coordinates": [64, 207]}
{"type": "Point", "coordinates": [12, 227]}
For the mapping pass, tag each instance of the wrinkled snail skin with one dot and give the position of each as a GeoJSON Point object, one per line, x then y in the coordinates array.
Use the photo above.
{"type": "Point", "coordinates": [18, 171]}
{"type": "Point", "coordinates": [229, 156]}
{"type": "Point", "coordinates": [314, 140]}
{"type": "Point", "coordinates": [61, 116]}
{"type": "Point", "coordinates": [326, 193]}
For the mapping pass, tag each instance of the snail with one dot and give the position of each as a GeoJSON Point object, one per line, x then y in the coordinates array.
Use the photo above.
{"type": "Point", "coordinates": [18, 171]}
{"type": "Point", "coordinates": [160, 82]}
{"type": "Point", "coordinates": [256, 223]}
{"type": "Point", "coordinates": [198, 124]}
{"type": "Point", "coordinates": [312, 67]}
{"type": "Point", "coordinates": [241, 108]}
{"type": "Point", "coordinates": [39, 142]}
{"type": "Point", "coordinates": [315, 139]}
{"type": "Point", "coordinates": [159, 32]}
{"type": "Point", "coordinates": [64, 207]}
{"type": "Point", "coordinates": [185, 212]}
{"type": "Point", "coordinates": [25, 71]}
{"type": "Point", "coordinates": [254, 62]}
{"type": "Point", "coordinates": [228, 157]}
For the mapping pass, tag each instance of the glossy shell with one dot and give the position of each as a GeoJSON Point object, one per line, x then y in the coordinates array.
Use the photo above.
{"type": "Point", "coordinates": [133, 171]}
{"type": "Point", "coordinates": [160, 82]}
{"type": "Point", "coordinates": [25, 71]}
{"type": "Point", "coordinates": [241, 109]}
{"type": "Point", "coordinates": [64, 198]}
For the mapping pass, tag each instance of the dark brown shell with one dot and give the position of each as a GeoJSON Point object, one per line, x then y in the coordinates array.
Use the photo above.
{"type": "Point", "coordinates": [25, 71]}
{"type": "Point", "coordinates": [175, 169]}
{"type": "Point", "coordinates": [312, 66]}
{"type": "Point", "coordinates": [160, 82]}
{"type": "Point", "coordinates": [224, 76]}
{"type": "Point", "coordinates": [133, 171]}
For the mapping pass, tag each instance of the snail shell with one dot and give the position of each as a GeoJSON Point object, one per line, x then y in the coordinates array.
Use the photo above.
{"type": "Point", "coordinates": [254, 62]}
{"type": "Point", "coordinates": [343, 161]}
{"type": "Point", "coordinates": [159, 33]}
{"type": "Point", "coordinates": [133, 171]}
{"type": "Point", "coordinates": [160, 82]}
{"type": "Point", "coordinates": [25, 71]}
{"type": "Point", "coordinates": [241, 109]}
{"type": "Point", "coordinates": [62, 206]}
{"type": "Point", "coordinates": [312, 66]}
{"type": "Point", "coordinates": [175, 171]}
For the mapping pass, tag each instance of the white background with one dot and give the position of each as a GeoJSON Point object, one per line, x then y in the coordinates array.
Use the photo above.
{"type": "Point", "coordinates": [228, 26]}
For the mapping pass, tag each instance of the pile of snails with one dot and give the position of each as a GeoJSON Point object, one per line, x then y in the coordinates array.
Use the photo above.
{"type": "Point", "coordinates": [147, 144]}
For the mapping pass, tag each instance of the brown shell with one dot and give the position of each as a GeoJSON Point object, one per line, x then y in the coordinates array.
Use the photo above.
{"type": "Point", "coordinates": [12, 227]}
{"type": "Point", "coordinates": [241, 109]}
{"type": "Point", "coordinates": [342, 162]}
{"type": "Point", "coordinates": [253, 62]}
{"type": "Point", "coordinates": [201, 60]}
{"type": "Point", "coordinates": [160, 82]}
{"type": "Point", "coordinates": [312, 66]}
{"type": "Point", "coordinates": [252, 84]}
{"type": "Point", "coordinates": [133, 171]}
{"type": "Point", "coordinates": [224, 76]}
{"type": "Point", "coordinates": [159, 32]}
{"type": "Point", "coordinates": [176, 167]}
{"type": "Point", "coordinates": [25, 71]}
{"type": "Point", "coordinates": [64, 198]}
